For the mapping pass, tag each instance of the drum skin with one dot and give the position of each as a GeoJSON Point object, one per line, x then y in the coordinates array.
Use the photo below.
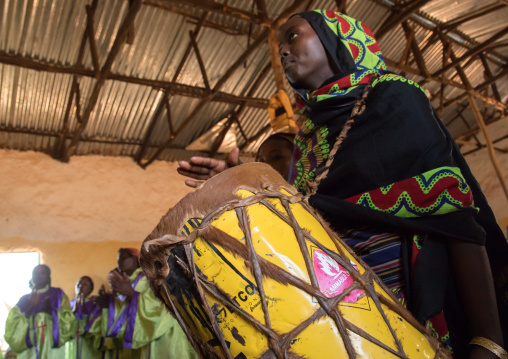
{"type": "Point", "coordinates": [261, 275]}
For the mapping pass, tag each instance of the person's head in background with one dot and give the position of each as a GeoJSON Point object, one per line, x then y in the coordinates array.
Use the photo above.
{"type": "Point", "coordinates": [41, 277]}
{"type": "Point", "coordinates": [277, 151]}
{"type": "Point", "coordinates": [84, 286]}
{"type": "Point", "coordinates": [10, 354]}
{"type": "Point", "coordinates": [128, 260]}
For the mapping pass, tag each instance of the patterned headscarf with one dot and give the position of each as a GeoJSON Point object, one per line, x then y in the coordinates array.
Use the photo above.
{"type": "Point", "coordinates": [353, 48]}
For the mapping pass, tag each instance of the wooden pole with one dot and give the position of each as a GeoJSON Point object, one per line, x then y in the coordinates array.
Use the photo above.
{"type": "Point", "coordinates": [278, 71]}
{"type": "Point", "coordinates": [490, 146]}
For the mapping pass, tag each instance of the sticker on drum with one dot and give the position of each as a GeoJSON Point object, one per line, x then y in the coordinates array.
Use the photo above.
{"type": "Point", "coordinates": [332, 278]}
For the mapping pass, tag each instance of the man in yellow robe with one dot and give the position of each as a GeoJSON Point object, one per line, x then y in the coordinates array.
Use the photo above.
{"type": "Point", "coordinates": [136, 320]}
{"type": "Point", "coordinates": [42, 321]}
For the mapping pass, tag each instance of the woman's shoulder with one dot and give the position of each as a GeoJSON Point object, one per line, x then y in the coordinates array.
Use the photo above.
{"type": "Point", "coordinates": [396, 83]}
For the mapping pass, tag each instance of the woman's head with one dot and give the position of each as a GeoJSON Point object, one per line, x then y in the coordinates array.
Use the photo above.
{"type": "Point", "coordinates": [128, 260]}
{"type": "Point", "coordinates": [277, 151]}
{"type": "Point", "coordinates": [84, 286]}
{"type": "Point", "coordinates": [41, 277]}
{"type": "Point", "coordinates": [303, 56]}
{"type": "Point", "coordinates": [320, 43]}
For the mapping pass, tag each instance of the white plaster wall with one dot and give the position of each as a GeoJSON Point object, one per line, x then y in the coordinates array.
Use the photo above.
{"type": "Point", "coordinates": [91, 198]}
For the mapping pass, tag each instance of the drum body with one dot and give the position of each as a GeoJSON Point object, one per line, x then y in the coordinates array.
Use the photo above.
{"type": "Point", "coordinates": [260, 275]}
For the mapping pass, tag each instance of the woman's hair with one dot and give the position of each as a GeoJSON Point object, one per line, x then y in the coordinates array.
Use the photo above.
{"type": "Point", "coordinates": [48, 272]}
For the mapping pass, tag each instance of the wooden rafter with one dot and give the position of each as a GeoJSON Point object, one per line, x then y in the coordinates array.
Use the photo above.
{"type": "Point", "coordinates": [488, 75]}
{"type": "Point", "coordinates": [207, 99]}
{"type": "Point", "coordinates": [416, 50]}
{"type": "Point", "coordinates": [115, 49]}
{"type": "Point", "coordinates": [474, 51]}
{"type": "Point", "coordinates": [399, 16]}
{"type": "Point", "coordinates": [432, 24]}
{"type": "Point", "coordinates": [60, 143]}
{"type": "Point", "coordinates": [218, 8]}
{"type": "Point", "coordinates": [480, 121]}
{"type": "Point", "coordinates": [201, 63]}
{"type": "Point", "coordinates": [452, 24]}
{"type": "Point", "coordinates": [170, 86]}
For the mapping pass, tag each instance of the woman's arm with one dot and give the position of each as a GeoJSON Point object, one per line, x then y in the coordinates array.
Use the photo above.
{"type": "Point", "coordinates": [471, 271]}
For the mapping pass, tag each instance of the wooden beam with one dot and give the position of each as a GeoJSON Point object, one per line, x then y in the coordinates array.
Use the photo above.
{"type": "Point", "coordinates": [497, 104]}
{"type": "Point", "coordinates": [192, 18]}
{"type": "Point", "coordinates": [396, 19]}
{"type": "Point", "coordinates": [220, 138]}
{"type": "Point", "coordinates": [164, 101]}
{"type": "Point", "coordinates": [115, 49]}
{"type": "Point", "coordinates": [488, 75]}
{"type": "Point", "coordinates": [58, 150]}
{"type": "Point", "coordinates": [290, 10]}
{"type": "Point", "coordinates": [501, 150]}
{"type": "Point", "coordinates": [278, 71]}
{"type": "Point", "coordinates": [488, 140]}
{"type": "Point", "coordinates": [405, 54]}
{"type": "Point", "coordinates": [218, 8]}
{"type": "Point", "coordinates": [260, 39]}
{"type": "Point", "coordinates": [200, 59]}
{"type": "Point", "coordinates": [27, 131]}
{"type": "Point", "coordinates": [452, 24]}
{"type": "Point", "coordinates": [153, 121]}
{"type": "Point", "coordinates": [91, 39]}
{"type": "Point", "coordinates": [420, 61]}
{"type": "Point", "coordinates": [341, 6]}
{"type": "Point", "coordinates": [472, 52]}
{"type": "Point", "coordinates": [481, 123]}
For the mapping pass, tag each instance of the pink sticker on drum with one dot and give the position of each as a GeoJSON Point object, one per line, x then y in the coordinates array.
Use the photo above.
{"type": "Point", "coordinates": [332, 278]}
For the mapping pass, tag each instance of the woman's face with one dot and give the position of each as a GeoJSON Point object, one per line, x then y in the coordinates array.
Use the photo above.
{"type": "Point", "coordinates": [303, 56]}
{"type": "Point", "coordinates": [277, 153]}
{"type": "Point", "coordinates": [83, 286]}
{"type": "Point", "coordinates": [39, 277]}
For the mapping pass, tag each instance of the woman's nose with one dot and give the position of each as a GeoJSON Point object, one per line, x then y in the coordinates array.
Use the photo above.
{"type": "Point", "coordinates": [284, 50]}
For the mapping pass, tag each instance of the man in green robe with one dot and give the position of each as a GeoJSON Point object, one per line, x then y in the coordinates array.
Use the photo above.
{"type": "Point", "coordinates": [81, 346]}
{"type": "Point", "coordinates": [138, 324]}
{"type": "Point", "coordinates": [42, 321]}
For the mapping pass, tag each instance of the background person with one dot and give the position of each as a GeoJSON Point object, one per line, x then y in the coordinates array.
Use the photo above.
{"type": "Point", "coordinates": [137, 322]}
{"type": "Point", "coordinates": [42, 321]}
{"type": "Point", "coordinates": [86, 312]}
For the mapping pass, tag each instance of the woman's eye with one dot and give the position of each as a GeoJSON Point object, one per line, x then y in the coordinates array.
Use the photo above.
{"type": "Point", "coordinates": [292, 36]}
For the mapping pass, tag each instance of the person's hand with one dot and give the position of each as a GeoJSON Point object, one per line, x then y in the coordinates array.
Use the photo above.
{"type": "Point", "coordinates": [46, 305]}
{"type": "Point", "coordinates": [203, 168]}
{"type": "Point", "coordinates": [120, 283]}
{"type": "Point", "coordinates": [34, 299]}
{"type": "Point", "coordinates": [102, 300]}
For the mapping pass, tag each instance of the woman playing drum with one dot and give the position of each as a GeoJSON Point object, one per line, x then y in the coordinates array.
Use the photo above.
{"type": "Point", "coordinates": [395, 169]}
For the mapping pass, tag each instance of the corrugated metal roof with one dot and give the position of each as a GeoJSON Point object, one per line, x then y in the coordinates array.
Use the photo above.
{"type": "Point", "coordinates": [33, 103]}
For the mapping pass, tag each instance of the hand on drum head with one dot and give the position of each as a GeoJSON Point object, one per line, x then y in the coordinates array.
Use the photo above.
{"type": "Point", "coordinates": [203, 168]}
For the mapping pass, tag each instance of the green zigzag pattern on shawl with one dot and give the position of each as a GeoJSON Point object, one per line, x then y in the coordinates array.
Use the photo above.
{"type": "Point", "coordinates": [444, 203]}
{"type": "Point", "coordinates": [305, 145]}
{"type": "Point", "coordinates": [393, 77]}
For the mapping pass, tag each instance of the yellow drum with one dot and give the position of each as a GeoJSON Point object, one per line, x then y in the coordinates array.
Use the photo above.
{"type": "Point", "coordinates": [251, 271]}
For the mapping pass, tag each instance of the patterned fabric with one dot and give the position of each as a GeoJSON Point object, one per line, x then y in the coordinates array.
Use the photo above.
{"type": "Point", "coordinates": [397, 171]}
{"type": "Point", "coordinates": [381, 252]}
{"type": "Point", "coordinates": [312, 143]}
{"type": "Point", "coordinates": [438, 191]}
